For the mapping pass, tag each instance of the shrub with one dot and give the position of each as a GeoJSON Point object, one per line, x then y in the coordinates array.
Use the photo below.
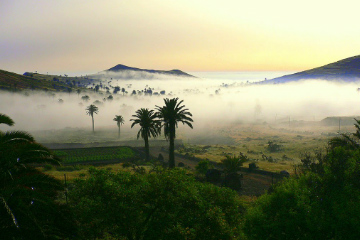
{"type": "Point", "coordinates": [273, 147]}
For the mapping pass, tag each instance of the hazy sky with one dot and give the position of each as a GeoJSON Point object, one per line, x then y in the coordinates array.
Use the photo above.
{"type": "Point", "coordinates": [192, 35]}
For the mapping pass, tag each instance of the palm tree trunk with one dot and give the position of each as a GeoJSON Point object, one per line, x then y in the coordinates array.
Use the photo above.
{"type": "Point", "coordinates": [172, 146]}
{"type": "Point", "coordinates": [147, 150]}
{"type": "Point", "coordinates": [119, 132]}
{"type": "Point", "coordinates": [93, 123]}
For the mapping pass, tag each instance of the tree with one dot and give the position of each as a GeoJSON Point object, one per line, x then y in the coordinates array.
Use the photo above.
{"type": "Point", "coordinates": [119, 121]}
{"type": "Point", "coordinates": [90, 110]}
{"type": "Point", "coordinates": [78, 91]}
{"type": "Point", "coordinates": [123, 91]}
{"type": "Point", "coordinates": [162, 205]}
{"type": "Point", "coordinates": [170, 114]}
{"type": "Point", "coordinates": [149, 126]}
{"type": "Point", "coordinates": [85, 98]}
{"type": "Point", "coordinates": [28, 206]}
{"type": "Point", "coordinates": [233, 164]}
{"type": "Point", "coordinates": [321, 202]}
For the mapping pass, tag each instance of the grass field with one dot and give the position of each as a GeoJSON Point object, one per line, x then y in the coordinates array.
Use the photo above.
{"type": "Point", "coordinates": [250, 139]}
{"type": "Point", "coordinates": [94, 154]}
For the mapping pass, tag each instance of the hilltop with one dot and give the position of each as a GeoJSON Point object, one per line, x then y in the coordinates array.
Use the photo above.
{"type": "Point", "coordinates": [346, 70]}
{"type": "Point", "coordinates": [124, 72]}
{"type": "Point", "coordinates": [14, 82]}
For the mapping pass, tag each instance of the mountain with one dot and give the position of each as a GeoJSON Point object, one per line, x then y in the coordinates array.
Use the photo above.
{"type": "Point", "coordinates": [15, 82]}
{"type": "Point", "coordinates": [346, 70]}
{"type": "Point", "coordinates": [125, 72]}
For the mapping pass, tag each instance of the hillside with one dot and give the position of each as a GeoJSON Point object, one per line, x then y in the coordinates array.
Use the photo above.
{"type": "Point", "coordinates": [14, 82]}
{"type": "Point", "coordinates": [347, 70]}
{"type": "Point", "coordinates": [124, 72]}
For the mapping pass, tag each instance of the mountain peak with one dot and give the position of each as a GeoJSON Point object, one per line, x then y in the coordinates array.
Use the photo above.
{"type": "Point", "coordinates": [123, 68]}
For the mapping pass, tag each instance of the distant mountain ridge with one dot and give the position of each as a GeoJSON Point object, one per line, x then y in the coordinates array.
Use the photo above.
{"type": "Point", "coordinates": [347, 70]}
{"type": "Point", "coordinates": [124, 69]}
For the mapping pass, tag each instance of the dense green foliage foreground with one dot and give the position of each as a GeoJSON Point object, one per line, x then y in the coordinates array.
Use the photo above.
{"type": "Point", "coordinates": [320, 202]}
{"type": "Point", "coordinates": [163, 205]}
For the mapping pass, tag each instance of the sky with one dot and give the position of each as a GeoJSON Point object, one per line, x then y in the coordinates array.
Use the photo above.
{"type": "Point", "coordinates": [88, 36]}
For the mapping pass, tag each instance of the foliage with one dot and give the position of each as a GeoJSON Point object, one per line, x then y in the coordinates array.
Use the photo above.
{"type": "Point", "coordinates": [28, 209]}
{"type": "Point", "coordinates": [350, 141]}
{"type": "Point", "coordinates": [165, 204]}
{"type": "Point", "coordinates": [170, 114]}
{"type": "Point", "coordinates": [203, 166]}
{"type": "Point", "coordinates": [273, 147]}
{"type": "Point", "coordinates": [320, 203]}
{"type": "Point", "coordinates": [233, 164]}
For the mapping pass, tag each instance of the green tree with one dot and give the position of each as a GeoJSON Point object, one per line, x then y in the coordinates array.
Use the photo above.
{"type": "Point", "coordinates": [319, 203]}
{"type": "Point", "coordinates": [164, 205]}
{"type": "Point", "coordinates": [78, 91]}
{"type": "Point", "coordinates": [90, 110]}
{"type": "Point", "coordinates": [119, 121]}
{"type": "Point", "coordinates": [203, 166]}
{"type": "Point", "coordinates": [149, 126]}
{"type": "Point", "coordinates": [170, 114]}
{"type": "Point", "coordinates": [85, 98]}
{"type": "Point", "coordinates": [28, 206]}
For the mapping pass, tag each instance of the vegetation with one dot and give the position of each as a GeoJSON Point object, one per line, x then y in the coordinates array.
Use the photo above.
{"type": "Point", "coordinates": [163, 205]}
{"type": "Point", "coordinates": [170, 114]}
{"type": "Point", "coordinates": [149, 126]}
{"type": "Point", "coordinates": [15, 82]}
{"type": "Point", "coordinates": [90, 110]}
{"type": "Point", "coordinates": [28, 207]}
{"type": "Point", "coordinates": [119, 121]}
{"type": "Point", "coordinates": [233, 164]}
{"type": "Point", "coordinates": [320, 203]}
{"type": "Point", "coordinates": [94, 154]}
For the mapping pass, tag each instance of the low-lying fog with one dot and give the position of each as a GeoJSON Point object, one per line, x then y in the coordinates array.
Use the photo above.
{"type": "Point", "coordinates": [210, 101]}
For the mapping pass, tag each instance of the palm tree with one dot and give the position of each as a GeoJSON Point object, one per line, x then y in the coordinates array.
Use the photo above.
{"type": "Point", "coordinates": [90, 110]}
{"type": "Point", "coordinates": [119, 121]}
{"type": "Point", "coordinates": [170, 114]}
{"type": "Point", "coordinates": [28, 204]}
{"type": "Point", "coordinates": [4, 119]}
{"type": "Point", "coordinates": [233, 164]}
{"type": "Point", "coordinates": [150, 126]}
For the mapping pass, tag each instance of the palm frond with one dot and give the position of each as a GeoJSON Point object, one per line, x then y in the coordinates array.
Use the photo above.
{"type": "Point", "coordinates": [5, 119]}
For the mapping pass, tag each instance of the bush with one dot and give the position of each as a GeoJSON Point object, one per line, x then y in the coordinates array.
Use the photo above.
{"type": "Point", "coordinates": [273, 147]}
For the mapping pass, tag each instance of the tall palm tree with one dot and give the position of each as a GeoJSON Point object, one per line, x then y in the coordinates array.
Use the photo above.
{"type": "Point", "coordinates": [149, 126]}
{"type": "Point", "coordinates": [170, 114]}
{"type": "Point", "coordinates": [119, 121]}
{"type": "Point", "coordinates": [90, 110]}
{"type": "Point", "coordinates": [27, 196]}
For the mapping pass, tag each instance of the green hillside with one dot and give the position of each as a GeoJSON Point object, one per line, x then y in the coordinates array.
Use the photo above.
{"type": "Point", "coordinates": [15, 82]}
